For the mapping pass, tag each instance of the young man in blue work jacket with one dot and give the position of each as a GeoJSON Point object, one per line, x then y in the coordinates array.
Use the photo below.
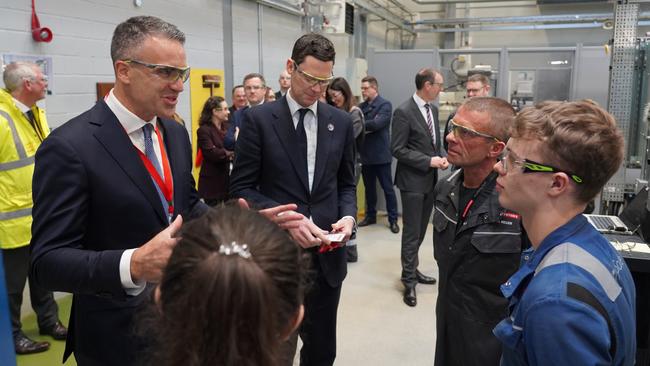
{"type": "Point", "coordinates": [572, 302]}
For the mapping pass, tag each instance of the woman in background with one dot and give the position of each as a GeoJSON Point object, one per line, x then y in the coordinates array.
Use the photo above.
{"type": "Point", "coordinates": [340, 95]}
{"type": "Point", "coordinates": [231, 294]}
{"type": "Point", "coordinates": [215, 168]}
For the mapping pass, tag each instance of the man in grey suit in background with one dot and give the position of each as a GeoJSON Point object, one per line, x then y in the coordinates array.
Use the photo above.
{"type": "Point", "coordinates": [415, 143]}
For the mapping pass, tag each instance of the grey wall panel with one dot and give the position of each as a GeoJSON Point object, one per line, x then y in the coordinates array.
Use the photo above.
{"type": "Point", "coordinates": [592, 81]}
{"type": "Point", "coordinates": [395, 70]}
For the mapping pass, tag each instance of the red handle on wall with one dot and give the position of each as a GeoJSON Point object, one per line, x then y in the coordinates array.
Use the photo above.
{"type": "Point", "coordinates": [40, 34]}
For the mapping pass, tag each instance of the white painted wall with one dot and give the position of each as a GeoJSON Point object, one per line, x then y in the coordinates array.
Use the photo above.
{"type": "Point", "coordinates": [81, 45]}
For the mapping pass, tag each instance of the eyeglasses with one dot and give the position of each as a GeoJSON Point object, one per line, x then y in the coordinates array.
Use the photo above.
{"type": "Point", "coordinates": [314, 80]}
{"type": "Point", "coordinates": [253, 87]}
{"type": "Point", "coordinates": [466, 132]}
{"type": "Point", "coordinates": [41, 79]}
{"type": "Point", "coordinates": [474, 91]}
{"type": "Point", "coordinates": [529, 166]}
{"type": "Point", "coordinates": [168, 73]}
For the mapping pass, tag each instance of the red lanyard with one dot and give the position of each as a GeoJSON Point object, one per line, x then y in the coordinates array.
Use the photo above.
{"type": "Point", "coordinates": [469, 205]}
{"type": "Point", "coordinates": [166, 187]}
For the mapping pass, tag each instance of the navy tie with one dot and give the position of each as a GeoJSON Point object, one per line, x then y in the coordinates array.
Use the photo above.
{"type": "Point", "coordinates": [32, 121]}
{"type": "Point", "coordinates": [301, 134]}
{"type": "Point", "coordinates": [30, 116]}
{"type": "Point", "coordinates": [150, 153]}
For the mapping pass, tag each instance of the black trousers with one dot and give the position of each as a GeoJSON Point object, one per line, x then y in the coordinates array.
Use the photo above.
{"type": "Point", "coordinates": [16, 264]}
{"type": "Point", "coordinates": [318, 328]}
{"type": "Point", "coordinates": [381, 172]}
{"type": "Point", "coordinates": [416, 211]}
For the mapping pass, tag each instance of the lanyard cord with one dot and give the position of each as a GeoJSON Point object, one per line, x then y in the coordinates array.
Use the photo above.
{"type": "Point", "coordinates": [490, 178]}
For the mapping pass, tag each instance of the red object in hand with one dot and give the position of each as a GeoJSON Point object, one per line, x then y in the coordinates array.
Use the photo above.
{"type": "Point", "coordinates": [324, 248]}
{"type": "Point", "coordinates": [40, 34]}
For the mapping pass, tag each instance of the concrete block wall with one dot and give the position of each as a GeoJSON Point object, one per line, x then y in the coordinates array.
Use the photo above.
{"type": "Point", "coordinates": [80, 49]}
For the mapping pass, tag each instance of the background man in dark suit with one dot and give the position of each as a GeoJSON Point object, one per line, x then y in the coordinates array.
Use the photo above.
{"type": "Point", "coordinates": [255, 88]}
{"type": "Point", "coordinates": [416, 146]}
{"type": "Point", "coordinates": [239, 100]}
{"type": "Point", "coordinates": [103, 226]}
{"type": "Point", "coordinates": [285, 82]}
{"type": "Point", "coordinates": [375, 153]}
{"type": "Point", "coordinates": [299, 150]}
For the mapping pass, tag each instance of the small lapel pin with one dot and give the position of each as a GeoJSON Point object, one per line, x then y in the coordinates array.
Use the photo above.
{"type": "Point", "coordinates": [330, 127]}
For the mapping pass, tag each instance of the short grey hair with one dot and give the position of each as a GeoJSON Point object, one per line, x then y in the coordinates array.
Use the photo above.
{"type": "Point", "coordinates": [502, 115]}
{"type": "Point", "coordinates": [16, 72]}
{"type": "Point", "coordinates": [130, 34]}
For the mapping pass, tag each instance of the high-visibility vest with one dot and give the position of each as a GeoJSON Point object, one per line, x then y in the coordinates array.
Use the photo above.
{"type": "Point", "coordinates": [19, 141]}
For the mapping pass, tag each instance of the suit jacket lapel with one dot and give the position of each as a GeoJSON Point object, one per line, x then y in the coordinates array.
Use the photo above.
{"type": "Point", "coordinates": [322, 143]}
{"type": "Point", "coordinates": [113, 138]}
{"type": "Point", "coordinates": [417, 114]}
{"type": "Point", "coordinates": [284, 128]}
{"type": "Point", "coordinates": [174, 154]}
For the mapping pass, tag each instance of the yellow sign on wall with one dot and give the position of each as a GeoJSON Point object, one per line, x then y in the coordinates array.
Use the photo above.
{"type": "Point", "coordinates": [202, 83]}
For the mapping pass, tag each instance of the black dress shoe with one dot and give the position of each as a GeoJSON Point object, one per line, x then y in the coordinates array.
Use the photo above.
{"type": "Point", "coordinates": [25, 346]}
{"type": "Point", "coordinates": [410, 298]}
{"type": "Point", "coordinates": [424, 279]}
{"type": "Point", "coordinates": [57, 331]}
{"type": "Point", "coordinates": [394, 228]}
{"type": "Point", "coordinates": [367, 221]}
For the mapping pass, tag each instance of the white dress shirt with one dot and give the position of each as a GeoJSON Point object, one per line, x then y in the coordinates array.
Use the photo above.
{"type": "Point", "coordinates": [23, 108]}
{"type": "Point", "coordinates": [421, 106]}
{"type": "Point", "coordinates": [311, 130]}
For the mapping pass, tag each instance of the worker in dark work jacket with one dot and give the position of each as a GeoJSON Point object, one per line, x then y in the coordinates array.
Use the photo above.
{"type": "Point", "coordinates": [477, 243]}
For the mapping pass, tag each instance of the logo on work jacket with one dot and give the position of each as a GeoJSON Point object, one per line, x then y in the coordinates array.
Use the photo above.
{"type": "Point", "coordinates": [508, 217]}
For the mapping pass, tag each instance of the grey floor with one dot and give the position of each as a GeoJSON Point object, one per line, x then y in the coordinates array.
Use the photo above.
{"type": "Point", "coordinates": [375, 327]}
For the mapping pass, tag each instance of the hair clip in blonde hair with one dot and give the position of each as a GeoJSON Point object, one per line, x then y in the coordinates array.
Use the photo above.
{"type": "Point", "coordinates": [234, 248]}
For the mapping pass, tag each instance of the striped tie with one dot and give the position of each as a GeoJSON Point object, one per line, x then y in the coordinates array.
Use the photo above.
{"type": "Point", "coordinates": [430, 123]}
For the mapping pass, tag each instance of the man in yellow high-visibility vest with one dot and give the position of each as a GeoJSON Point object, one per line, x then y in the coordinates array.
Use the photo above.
{"type": "Point", "coordinates": [22, 129]}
